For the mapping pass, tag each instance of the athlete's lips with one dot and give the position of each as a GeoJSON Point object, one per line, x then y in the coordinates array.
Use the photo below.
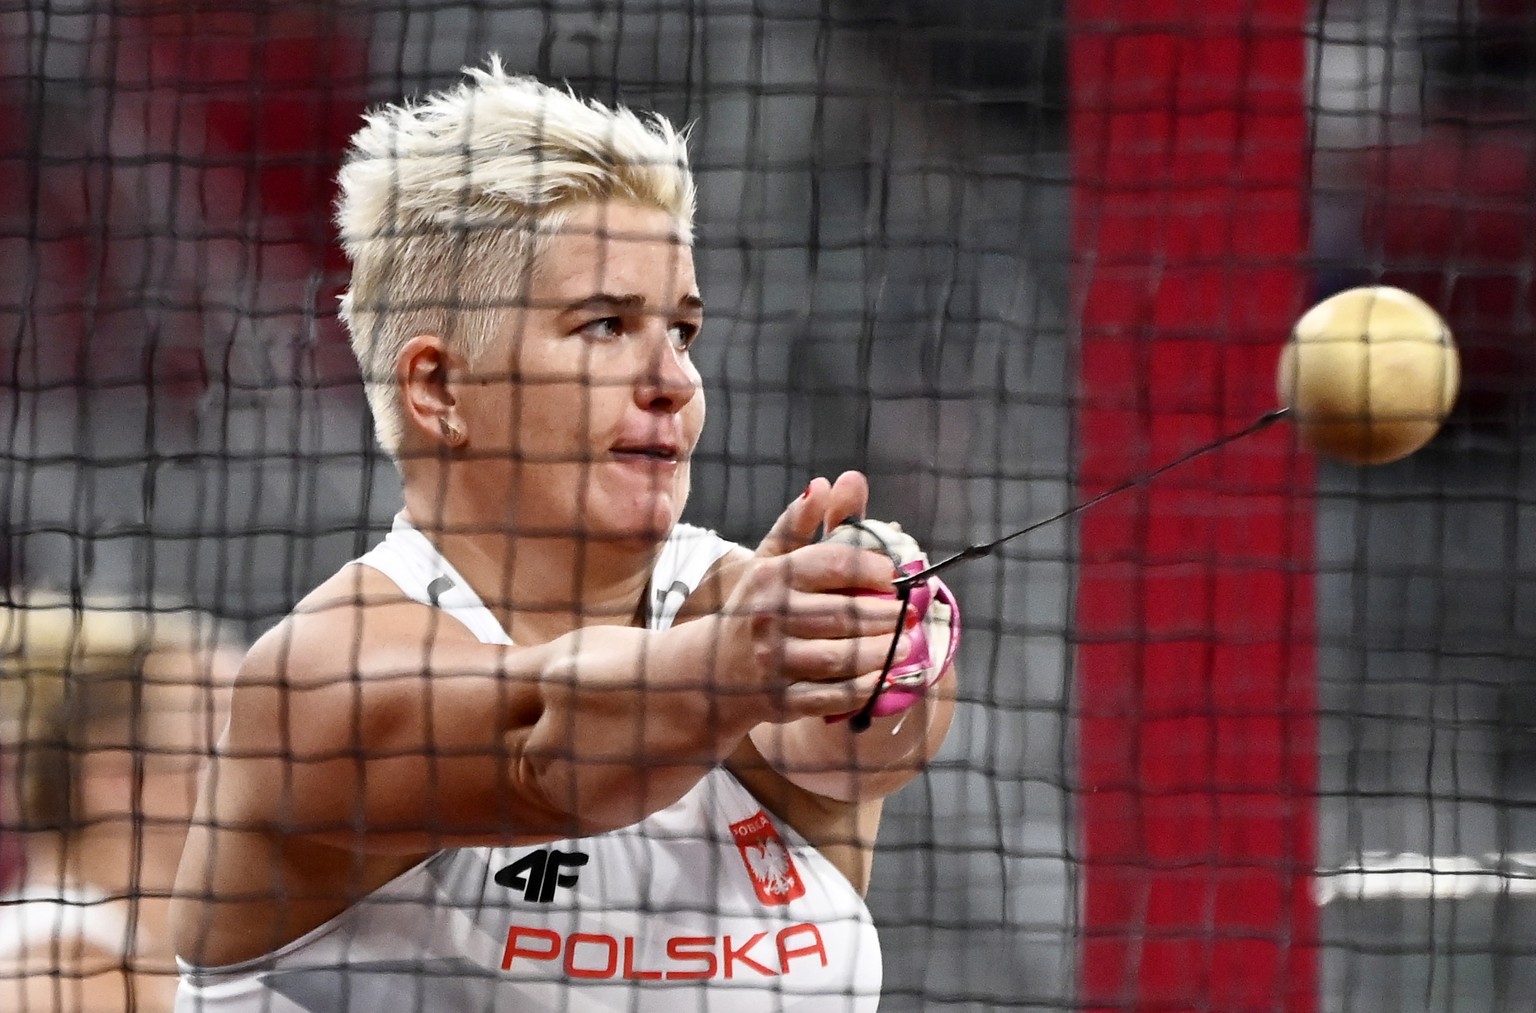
{"type": "Point", "coordinates": [659, 451]}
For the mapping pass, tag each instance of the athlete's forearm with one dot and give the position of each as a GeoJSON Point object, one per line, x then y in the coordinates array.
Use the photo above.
{"type": "Point", "coordinates": [421, 737]}
{"type": "Point", "coordinates": [631, 721]}
{"type": "Point", "coordinates": [380, 725]}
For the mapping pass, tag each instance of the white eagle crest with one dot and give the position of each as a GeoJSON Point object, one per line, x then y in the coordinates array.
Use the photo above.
{"type": "Point", "coordinates": [769, 862]}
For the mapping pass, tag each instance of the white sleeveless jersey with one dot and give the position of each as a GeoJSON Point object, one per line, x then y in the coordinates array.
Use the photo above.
{"type": "Point", "coordinates": [708, 906]}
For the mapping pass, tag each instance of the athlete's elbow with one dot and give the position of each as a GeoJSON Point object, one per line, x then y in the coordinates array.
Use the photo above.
{"type": "Point", "coordinates": [604, 778]}
{"type": "Point", "coordinates": [578, 798]}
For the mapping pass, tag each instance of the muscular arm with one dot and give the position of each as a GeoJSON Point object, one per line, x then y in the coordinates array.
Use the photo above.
{"type": "Point", "coordinates": [388, 727]}
{"type": "Point", "coordinates": [367, 731]}
{"type": "Point", "coordinates": [380, 725]}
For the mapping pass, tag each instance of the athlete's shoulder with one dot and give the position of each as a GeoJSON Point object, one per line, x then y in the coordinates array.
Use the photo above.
{"type": "Point", "coordinates": [354, 603]}
{"type": "Point", "coordinates": [383, 575]}
{"type": "Point", "coordinates": [353, 589]}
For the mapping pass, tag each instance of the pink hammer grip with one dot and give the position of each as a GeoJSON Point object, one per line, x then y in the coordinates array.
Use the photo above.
{"type": "Point", "coordinates": [909, 681]}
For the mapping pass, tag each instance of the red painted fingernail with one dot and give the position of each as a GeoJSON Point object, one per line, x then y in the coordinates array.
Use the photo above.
{"type": "Point", "coordinates": [912, 619]}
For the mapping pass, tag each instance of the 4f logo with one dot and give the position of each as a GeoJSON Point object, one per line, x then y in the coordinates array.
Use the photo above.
{"type": "Point", "coordinates": [538, 873]}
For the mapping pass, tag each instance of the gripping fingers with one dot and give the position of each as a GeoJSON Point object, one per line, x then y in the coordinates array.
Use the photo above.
{"type": "Point", "coordinates": [837, 660]}
{"type": "Point", "coordinates": [829, 566]}
{"type": "Point", "coordinates": [826, 699]}
{"type": "Point", "coordinates": [813, 616]}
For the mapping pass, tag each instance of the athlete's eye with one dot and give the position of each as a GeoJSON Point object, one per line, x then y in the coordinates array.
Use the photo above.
{"type": "Point", "coordinates": [603, 328]}
{"type": "Point", "coordinates": [683, 334]}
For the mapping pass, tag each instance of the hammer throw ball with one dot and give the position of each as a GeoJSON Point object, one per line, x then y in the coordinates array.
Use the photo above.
{"type": "Point", "coordinates": [1369, 375]}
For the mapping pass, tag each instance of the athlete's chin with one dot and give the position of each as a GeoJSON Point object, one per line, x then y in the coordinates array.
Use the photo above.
{"type": "Point", "coordinates": [639, 521]}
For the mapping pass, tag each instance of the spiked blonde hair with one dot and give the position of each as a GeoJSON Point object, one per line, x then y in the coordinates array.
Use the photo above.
{"type": "Point", "coordinates": [445, 204]}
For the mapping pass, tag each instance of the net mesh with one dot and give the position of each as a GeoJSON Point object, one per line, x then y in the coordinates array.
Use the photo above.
{"type": "Point", "coordinates": [1259, 738]}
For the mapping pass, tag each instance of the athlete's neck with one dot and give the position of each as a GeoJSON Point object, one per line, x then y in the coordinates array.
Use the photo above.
{"type": "Point", "coordinates": [543, 587]}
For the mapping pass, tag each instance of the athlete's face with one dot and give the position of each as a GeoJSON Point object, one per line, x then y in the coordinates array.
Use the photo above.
{"type": "Point", "coordinates": [591, 388]}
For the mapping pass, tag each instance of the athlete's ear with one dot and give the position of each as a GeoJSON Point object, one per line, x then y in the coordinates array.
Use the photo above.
{"type": "Point", "coordinates": [425, 371]}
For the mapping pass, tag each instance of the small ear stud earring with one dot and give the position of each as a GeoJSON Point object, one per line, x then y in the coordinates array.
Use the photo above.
{"type": "Point", "coordinates": [451, 433]}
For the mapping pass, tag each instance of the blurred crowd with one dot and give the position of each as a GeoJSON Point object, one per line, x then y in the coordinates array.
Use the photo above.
{"type": "Point", "coordinates": [106, 714]}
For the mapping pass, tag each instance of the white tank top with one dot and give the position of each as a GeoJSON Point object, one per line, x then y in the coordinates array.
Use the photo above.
{"type": "Point", "coordinates": [708, 906]}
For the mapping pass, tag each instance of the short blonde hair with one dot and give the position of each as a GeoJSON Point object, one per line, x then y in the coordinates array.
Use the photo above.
{"type": "Point", "coordinates": [445, 204]}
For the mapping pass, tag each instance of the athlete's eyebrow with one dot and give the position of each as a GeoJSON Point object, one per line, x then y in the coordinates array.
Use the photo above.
{"type": "Point", "coordinates": [628, 303]}
{"type": "Point", "coordinates": [607, 300]}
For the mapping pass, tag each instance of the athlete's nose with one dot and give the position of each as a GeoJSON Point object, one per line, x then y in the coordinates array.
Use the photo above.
{"type": "Point", "coordinates": [666, 383]}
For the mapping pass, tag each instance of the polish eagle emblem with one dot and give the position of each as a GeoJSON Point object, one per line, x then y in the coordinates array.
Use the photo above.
{"type": "Point", "coordinates": [768, 861]}
{"type": "Point", "coordinates": [770, 865]}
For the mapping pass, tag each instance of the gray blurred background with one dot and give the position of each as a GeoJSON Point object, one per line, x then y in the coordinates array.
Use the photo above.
{"type": "Point", "coordinates": [884, 245]}
{"type": "Point", "coordinates": [1425, 177]}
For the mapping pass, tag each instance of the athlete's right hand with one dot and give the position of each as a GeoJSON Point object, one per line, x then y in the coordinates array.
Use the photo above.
{"type": "Point", "coordinates": [808, 625]}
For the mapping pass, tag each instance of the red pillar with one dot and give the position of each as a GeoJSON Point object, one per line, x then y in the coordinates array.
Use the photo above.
{"type": "Point", "coordinates": [1195, 669]}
